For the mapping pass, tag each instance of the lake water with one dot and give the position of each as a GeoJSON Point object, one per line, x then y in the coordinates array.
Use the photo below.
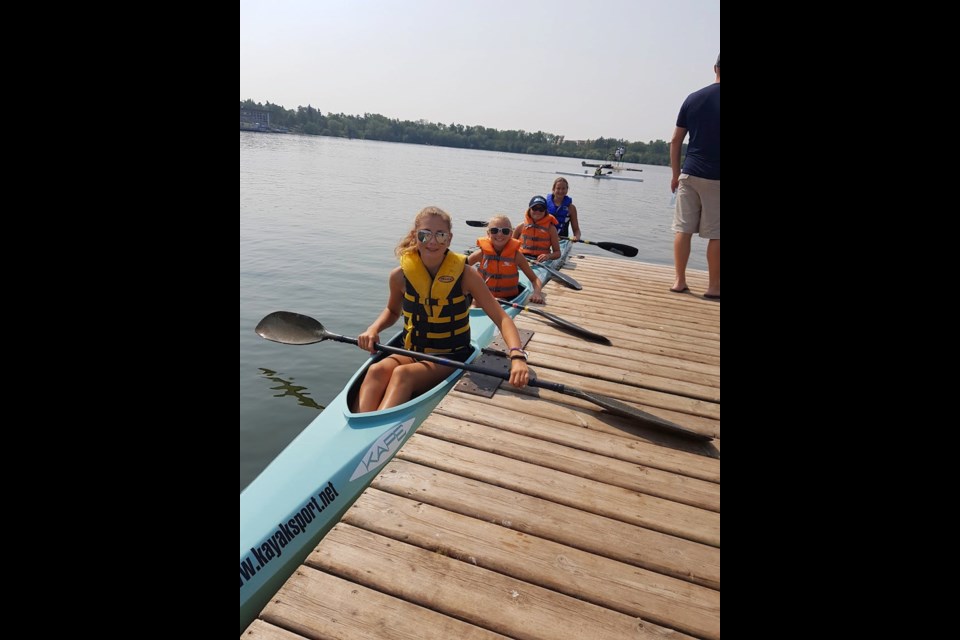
{"type": "Point", "coordinates": [319, 218]}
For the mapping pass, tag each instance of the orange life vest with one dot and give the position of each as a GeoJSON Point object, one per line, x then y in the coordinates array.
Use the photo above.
{"type": "Point", "coordinates": [536, 235]}
{"type": "Point", "coordinates": [499, 270]}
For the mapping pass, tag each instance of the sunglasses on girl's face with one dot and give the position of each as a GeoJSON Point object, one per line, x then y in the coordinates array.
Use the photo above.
{"type": "Point", "coordinates": [424, 236]}
{"type": "Point", "coordinates": [539, 207]}
{"type": "Point", "coordinates": [495, 230]}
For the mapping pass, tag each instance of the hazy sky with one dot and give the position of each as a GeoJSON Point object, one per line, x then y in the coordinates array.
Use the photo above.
{"type": "Point", "coordinates": [586, 69]}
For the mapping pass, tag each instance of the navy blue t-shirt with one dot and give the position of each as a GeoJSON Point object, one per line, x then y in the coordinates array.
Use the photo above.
{"type": "Point", "coordinates": [700, 116]}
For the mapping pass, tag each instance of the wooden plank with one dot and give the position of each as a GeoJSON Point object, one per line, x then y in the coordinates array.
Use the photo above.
{"type": "Point", "coordinates": [461, 590]}
{"type": "Point", "coordinates": [509, 412]}
{"type": "Point", "coordinates": [599, 535]}
{"type": "Point", "coordinates": [559, 359]}
{"type": "Point", "coordinates": [631, 280]}
{"type": "Point", "coordinates": [259, 630]}
{"type": "Point", "coordinates": [589, 314]}
{"type": "Point", "coordinates": [582, 313]}
{"type": "Point", "coordinates": [621, 504]}
{"type": "Point", "coordinates": [614, 585]}
{"type": "Point", "coordinates": [318, 604]}
{"type": "Point", "coordinates": [629, 349]}
{"type": "Point", "coordinates": [562, 402]}
{"type": "Point", "coordinates": [692, 348]}
{"type": "Point", "coordinates": [614, 355]}
{"type": "Point", "coordinates": [585, 415]}
{"type": "Point", "coordinates": [614, 312]}
{"type": "Point", "coordinates": [630, 307]}
{"type": "Point", "coordinates": [654, 482]}
{"type": "Point", "coordinates": [629, 297]}
{"type": "Point", "coordinates": [644, 398]}
{"type": "Point", "coordinates": [649, 278]}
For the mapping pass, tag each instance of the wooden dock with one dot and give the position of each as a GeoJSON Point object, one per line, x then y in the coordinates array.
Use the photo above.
{"type": "Point", "coordinates": [534, 515]}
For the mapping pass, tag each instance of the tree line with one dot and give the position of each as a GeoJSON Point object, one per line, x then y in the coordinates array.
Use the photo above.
{"type": "Point", "coordinates": [373, 126]}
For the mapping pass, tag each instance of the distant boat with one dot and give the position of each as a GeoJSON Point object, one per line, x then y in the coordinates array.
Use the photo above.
{"type": "Point", "coordinates": [262, 128]}
{"type": "Point", "coordinates": [604, 176]}
{"type": "Point", "coordinates": [616, 167]}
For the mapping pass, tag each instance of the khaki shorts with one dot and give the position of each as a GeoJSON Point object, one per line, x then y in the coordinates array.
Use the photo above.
{"type": "Point", "coordinates": [698, 207]}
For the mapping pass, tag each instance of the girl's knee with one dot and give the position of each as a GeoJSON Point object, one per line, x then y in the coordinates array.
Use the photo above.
{"type": "Point", "coordinates": [403, 375]}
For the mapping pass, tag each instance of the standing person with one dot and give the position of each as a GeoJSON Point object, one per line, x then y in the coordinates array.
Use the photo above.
{"type": "Point", "coordinates": [429, 289]}
{"type": "Point", "coordinates": [501, 261]}
{"type": "Point", "coordinates": [538, 234]}
{"type": "Point", "coordinates": [698, 186]}
{"type": "Point", "coordinates": [561, 207]}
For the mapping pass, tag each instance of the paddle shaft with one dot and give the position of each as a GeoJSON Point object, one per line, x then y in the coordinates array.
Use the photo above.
{"type": "Point", "coordinates": [610, 404]}
{"type": "Point", "coordinates": [552, 386]}
{"type": "Point", "coordinates": [289, 327]}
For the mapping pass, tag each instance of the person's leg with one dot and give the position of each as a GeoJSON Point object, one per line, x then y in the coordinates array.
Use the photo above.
{"type": "Point", "coordinates": [411, 380]}
{"type": "Point", "coordinates": [713, 265]}
{"type": "Point", "coordinates": [709, 191]}
{"type": "Point", "coordinates": [375, 383]}
{"type": "Point", "coordinates": [686, 221]}
{"type": "Point", "coordinates": [681, 253]}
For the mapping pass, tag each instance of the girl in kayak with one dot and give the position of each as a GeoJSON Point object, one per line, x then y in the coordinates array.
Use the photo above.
{"type": "Point", "coordinates": [538, 235]}
{"type": "Point", "coordinates": [430, 291]}
{"type": "Point", "coordinates": [501, 261]}
{"type": "Point", "coordinates": [561, 207]}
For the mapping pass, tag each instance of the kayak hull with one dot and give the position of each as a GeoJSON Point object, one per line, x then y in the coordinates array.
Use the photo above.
{"type": "Point", "coordinates": [306, 489]}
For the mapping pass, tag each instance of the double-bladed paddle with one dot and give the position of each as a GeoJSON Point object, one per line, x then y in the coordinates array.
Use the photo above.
{"type": "Point", "coordinates": [614, 247]}
{"type": "Point", "coordinates": [288, 327]}
{"type": "Point", "coordinates": [560, 322]}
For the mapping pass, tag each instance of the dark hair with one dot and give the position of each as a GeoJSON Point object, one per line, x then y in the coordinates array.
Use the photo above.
{"type": "Point", "coordinates": [718, 59]}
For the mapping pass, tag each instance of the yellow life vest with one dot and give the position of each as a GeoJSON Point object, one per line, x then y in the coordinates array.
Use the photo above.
{"type": "Point", "coordinates": [499, 270]}
{"type": "Point", "coordinates": [436, 313]}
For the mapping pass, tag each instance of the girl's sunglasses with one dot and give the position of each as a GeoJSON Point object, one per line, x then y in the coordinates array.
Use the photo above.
{"type": "Point", "coordinates": [424, 236]}
{"type": "Point", "coordinates": [495, 230]}
{"type": "Point", "coordinates": [539, 207]}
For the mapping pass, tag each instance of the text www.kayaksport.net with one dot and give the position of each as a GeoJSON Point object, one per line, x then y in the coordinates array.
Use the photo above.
{"type": "Point", "coordinates": [273, 546]}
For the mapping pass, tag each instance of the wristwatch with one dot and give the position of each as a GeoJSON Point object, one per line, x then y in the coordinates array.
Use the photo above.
{"type": "Point", "coordinates": [520, 353]}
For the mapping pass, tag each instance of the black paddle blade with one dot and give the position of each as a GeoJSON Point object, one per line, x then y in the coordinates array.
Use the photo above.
{"type": "Point", "coordinates": [616, 247]}
{"type": "Point", "coordinates": [289, 327]}
{"type": "Point", "coordinates": [613, 247]}
{"type": "Point", "coordinates": [566, 324]}
{"type": "Point", "coordinates": [624, 410]}
{"type": "Point", "coordinates": [476, 223]}
{"type": "Point", "coordinates": [560, 322]}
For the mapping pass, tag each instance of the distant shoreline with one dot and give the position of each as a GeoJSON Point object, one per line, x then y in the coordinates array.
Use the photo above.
{"type": "Point", "coordinates": [271, 118]}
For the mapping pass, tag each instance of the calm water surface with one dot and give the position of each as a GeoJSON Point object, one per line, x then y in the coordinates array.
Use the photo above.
{"type": "Point", "coordinates": [319, 218]}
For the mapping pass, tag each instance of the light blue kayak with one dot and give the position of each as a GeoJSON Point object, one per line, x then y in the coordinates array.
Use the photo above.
{"type": "Point", "coordinates": [303, 493]}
